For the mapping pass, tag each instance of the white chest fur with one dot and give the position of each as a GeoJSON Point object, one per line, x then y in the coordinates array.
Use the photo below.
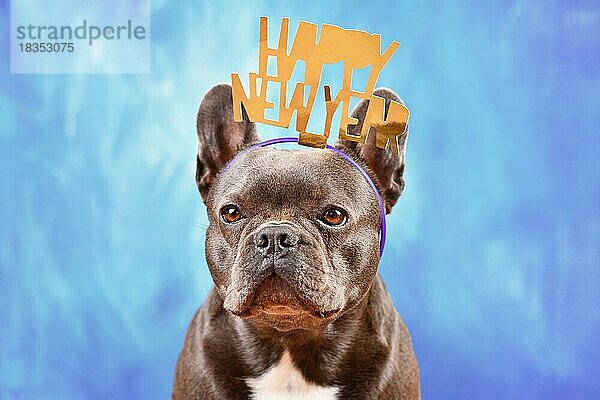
{"type": "Point", "coordinates": [283, 381]}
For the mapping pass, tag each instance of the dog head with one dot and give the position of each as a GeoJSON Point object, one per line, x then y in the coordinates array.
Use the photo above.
{"type": "Point", "coordinates": [293, 239]}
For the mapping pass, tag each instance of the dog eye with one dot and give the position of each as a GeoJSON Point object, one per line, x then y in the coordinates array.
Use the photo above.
{"type": "Point", "coordinates": [334, 217]}
{"type": "Point", "coordinates": [231, 214]}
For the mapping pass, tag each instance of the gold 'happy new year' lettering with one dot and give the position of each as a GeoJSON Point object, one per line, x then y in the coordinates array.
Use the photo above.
{"type": "Point", "coordinates": [357, 50]}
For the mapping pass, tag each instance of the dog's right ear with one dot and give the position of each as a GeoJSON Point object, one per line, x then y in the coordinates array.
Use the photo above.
{"type": "Point", "coordinates": [386, 167]}
{"type": "Point", "coordinates": [219, 137]}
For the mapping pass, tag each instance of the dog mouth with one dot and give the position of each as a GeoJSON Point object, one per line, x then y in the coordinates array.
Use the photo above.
{"type": "Point", "coordinates": [281, 310]}
{"type": "Point", "coordinates": [276, 298]}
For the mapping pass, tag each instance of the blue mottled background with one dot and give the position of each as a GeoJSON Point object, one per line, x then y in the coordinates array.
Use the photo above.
{"type": "Point", "coordinates": [493, 257]}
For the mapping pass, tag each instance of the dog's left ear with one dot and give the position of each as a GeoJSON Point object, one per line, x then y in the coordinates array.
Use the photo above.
{"type": "Point", "coordinates": [383, 165]}
{"type": "Point", "coordinates": [220, 138]}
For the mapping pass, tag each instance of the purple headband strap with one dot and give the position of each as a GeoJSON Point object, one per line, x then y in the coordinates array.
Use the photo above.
{"type": "Point", "coordinates": [347, 158]}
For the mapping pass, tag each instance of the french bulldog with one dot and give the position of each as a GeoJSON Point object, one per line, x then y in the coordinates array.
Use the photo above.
{"type": "Point", "coordinates": [299, 310]}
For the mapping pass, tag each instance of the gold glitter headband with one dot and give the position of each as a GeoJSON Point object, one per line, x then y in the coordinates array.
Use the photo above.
{"type": "Point", "coordinates": [357, 50]}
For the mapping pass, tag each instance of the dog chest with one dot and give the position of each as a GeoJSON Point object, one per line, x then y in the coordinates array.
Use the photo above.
{"type": "Point", "coordinates": [284, 381]}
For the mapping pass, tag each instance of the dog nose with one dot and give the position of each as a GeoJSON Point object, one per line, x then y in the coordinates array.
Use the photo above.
{"type": "Point", "coordinates": [275, 237]}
